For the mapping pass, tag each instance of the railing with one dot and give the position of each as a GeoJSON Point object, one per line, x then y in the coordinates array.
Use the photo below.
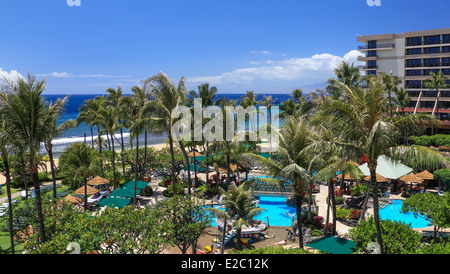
{"type": "Point", "coordinates": [368, 67]}
{"type": "Point", "coordinates": [380, 46]}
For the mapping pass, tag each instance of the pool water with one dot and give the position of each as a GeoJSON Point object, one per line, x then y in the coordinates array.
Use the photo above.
{"type": "Point", "coordinates": [276, 213]}
{"type": "Point", "coordinates": [392, 212]}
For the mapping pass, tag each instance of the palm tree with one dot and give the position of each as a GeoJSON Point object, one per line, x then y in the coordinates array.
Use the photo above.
{"type": "Point", "coordinates": [364, 126]}
{"type": "Point", "coordinates": [268, 102]}
{"type": "Point", "coordinates": [136, 111]}
{"type": "Point", "coordinates": [24, 109]}
{"type": "Point", "coordinates": [167, 98]}
{"type": "Point", "coordinates": [291, 162]}
{"type": "Point", "coordinates": [54, 113]}
{"type": "Point", "coordinates": [81, 161]}
{"type": "Point", "coordinates": [5, 140]}
{"type": "Point", "coordinates": [113, 98]}
{"type": "Point", "coordinates": [208, 96]}
{"type": "Point", "coordinates": [390, 83]}
{"type": "Point", "coordinates": [249, 100]}
{"type": "Point", "coordinates": [436, 81]}
{"type": "Point", "coordinates": [297, 95]}
{"type": "Point", "coordinates": [239, 204]}
{"type": "Point", "coordinates": [107, 118]}
{"type": "Point", "coordinates": [346, 73]}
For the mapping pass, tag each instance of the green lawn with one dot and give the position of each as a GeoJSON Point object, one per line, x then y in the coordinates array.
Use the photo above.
{"type": "Point", "coordinates": [5, 244]}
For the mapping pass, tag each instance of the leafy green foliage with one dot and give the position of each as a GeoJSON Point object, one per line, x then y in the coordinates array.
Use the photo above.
{"type": "Point", "coordinates": [398, 238]}
{"type": "Point", "coordinates": [272, 250]}
{"type": "Point", "coordinates": [436, 140]}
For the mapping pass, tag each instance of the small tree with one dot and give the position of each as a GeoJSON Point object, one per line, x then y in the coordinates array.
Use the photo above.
{"type": "Point", "coordinates": [188, 220]}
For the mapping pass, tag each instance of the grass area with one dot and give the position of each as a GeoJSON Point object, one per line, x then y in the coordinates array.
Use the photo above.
{"type": "Point", "coordinates": [5, 244]}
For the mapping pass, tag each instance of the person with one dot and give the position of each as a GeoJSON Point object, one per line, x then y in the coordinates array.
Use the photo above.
{"type": "Point", "coordinates": [217, 251]}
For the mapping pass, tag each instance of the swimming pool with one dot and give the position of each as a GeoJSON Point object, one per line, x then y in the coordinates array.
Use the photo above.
{"type": "Point", "coordinates": [392, 212]}
{"type": "Point", "coordinates": [276, 213]}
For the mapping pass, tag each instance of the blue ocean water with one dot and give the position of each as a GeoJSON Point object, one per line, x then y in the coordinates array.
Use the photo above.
{"type": "Point", "coordinates": [77, 134]}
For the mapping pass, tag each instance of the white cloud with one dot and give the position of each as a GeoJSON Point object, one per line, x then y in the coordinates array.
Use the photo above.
{"type": "Point", "coordinates": [73, 75]}
{"type": "Point", "coordinates": [13, 75]}
{"type": "Point", "coordinates": [302, 71]}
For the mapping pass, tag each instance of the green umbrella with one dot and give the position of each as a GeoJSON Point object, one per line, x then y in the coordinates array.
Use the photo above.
{"type": "Point", "coordinates": [124, 193]}
{"type": "Point", "coordinates": [266, 155]}
{"type": "Point", "coordinates": [139, 185]}
{"type": "Point", "coordinates": [114, 202]}
{"type": "Point", "coordinates": [333, 245]}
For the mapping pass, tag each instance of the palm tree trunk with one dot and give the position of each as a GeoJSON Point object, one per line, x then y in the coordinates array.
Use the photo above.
{"type": "Point", "coordinates": [85, 192]}
{"type": "Point", "coordinates": [238, 240]}
{"type": "Point", "coordinates": [136, 170]}
{"type": "Point", "coordinates": [92, 137]}
{"type": "Point", "coordinates": [25, 181]}
{"type": "Point", "coordinates": [363, 212]}
{"type": "Point", "coordinates": [327, 219]}
{"type": "Point", "coordinates": [37, 191]}
{"type": "Point", "coordinates": [376, 214]}
{"type": "Point", "coordinates": [228, 167]}
{"type": "Point", "coordinates": [222, 247]}
{"type": "Point", "coordinates": [145, 149]}
{"type": "Point", "coordinates": [113, 162]}
{"type": "Point", "coordinates": [173, 165]}
{"type": "Point", "coordinates": [298, 205]}
{"type": "Point", "coordinates": [52, 167]}
{"type": "Point", "coordinates": [333, 209]}
{"type": "Point", "coordinates": [100, 150]}
{"type": "Point", "coordinates": [8, 193]}
{"type": "Point", "coordinates": [183, 149]}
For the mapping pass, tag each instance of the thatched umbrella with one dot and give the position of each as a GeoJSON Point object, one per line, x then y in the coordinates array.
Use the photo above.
{"type": "Point", "coordinates": [98, 181]}
{"type": "Point", "coordinates": [411, 178]}
{"type": "Point", "coordinates": [73, 200]}
{"type": "Point", "coordinates": [426, 175]}
{"type": "Point", "coordinates": [380, 179]}
{"type": "Point", "coordinates": [89, 190]}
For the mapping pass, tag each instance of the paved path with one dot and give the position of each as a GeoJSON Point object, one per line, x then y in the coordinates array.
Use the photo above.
{"type": "Point", "coordinates": [17, 195]}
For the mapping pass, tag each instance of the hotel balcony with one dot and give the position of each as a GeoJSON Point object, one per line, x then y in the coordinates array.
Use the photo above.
{"type": "Point", "coordinates": [377, 47]}
{"type": "Point", "coordinates": [367, 67]}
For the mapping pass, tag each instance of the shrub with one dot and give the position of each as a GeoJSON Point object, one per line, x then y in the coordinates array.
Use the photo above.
{"type": "Point", "coordinates": [273, 250]}
{"type": "Point", "coordinates": [147, 192]}
{"type": "Point", "coordinates": [339, 200]}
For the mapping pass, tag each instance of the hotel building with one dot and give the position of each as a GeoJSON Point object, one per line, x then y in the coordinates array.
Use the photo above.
{"type": "Point", "coordinates": [412, 56]}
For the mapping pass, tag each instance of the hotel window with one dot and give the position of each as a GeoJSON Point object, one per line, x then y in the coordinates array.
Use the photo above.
{"type": "Point", "coordinates": [414, 41]}
{"type": "Point", "coordinates": [446, 71]}
{"type": "Point", "coordinates": [427, 104]}
{"type": "Point", "coordinates": [427, 72]}
{"type": "Point", "coordinates": [371, 72]}
{"type": "Point", "coordinates": [414, 63]}
{"type": "Point", "coordinates": [413, 51]}
{"type": "Point", "coordinates": [412, 104]}
{"type": "Point", "coordinates": [372, 64]}
{"type": "Point", "coordinates": [432, 62]}
{"type": "Point", "coordinates": [446, 38]}
{"type": "Point", "coordinates": [431, 40]}
{"type": "Point", "coordinates": [445, 49]}
{"type": "Point", "coordinates": [372, 53]}
{"type": "Point", "coordinates": [372, 44]}
{"type": "Point", "coordinates": [414, 84]}
{"type": "Point", "coordinates": [414, 93]}
{"type": "Point", "coordinates": [432, 50]}
{"type": "Point", "coordinates": [413, 72]}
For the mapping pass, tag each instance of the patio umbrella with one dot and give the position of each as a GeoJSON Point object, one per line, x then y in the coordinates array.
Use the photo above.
{"type": "Point", "coordinates": [73, 200]}
{"type": "Point", "coordinates": [139, 185]}
{"type": "Point", "coordinates": [98, 181]}
{"type": "Point", "coordinates": [333, 245]}
{"type": "Point", "coordinates": [124, 193]}
{"type": "Point", "coordinates": [114, 202]}
{"type": "Point", "coordinates": [387, 168]}
{"type": "Point", "coordinates": [426, 175]}
{"type": "Point", "coordinates": [380, 179]}
{"type": "Point", "coordinates": [411, 178]}
{"type": "Point", "coordinates": [89, 190]}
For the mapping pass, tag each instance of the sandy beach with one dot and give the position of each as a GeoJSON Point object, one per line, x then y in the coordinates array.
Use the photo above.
{"type": "Point", "coordinates": [42, 169]}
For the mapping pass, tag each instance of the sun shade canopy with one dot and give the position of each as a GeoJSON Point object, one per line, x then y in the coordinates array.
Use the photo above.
{"type": "Point", "coordinates": [114, 202]}
{"type": "Point", "coordinates": [333, 245]}
{"type": "Point", "coordinates": [387, 168]}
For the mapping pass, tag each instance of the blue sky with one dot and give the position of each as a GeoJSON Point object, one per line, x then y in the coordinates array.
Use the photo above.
{"type": "Point", "coordinates": [266, 46]}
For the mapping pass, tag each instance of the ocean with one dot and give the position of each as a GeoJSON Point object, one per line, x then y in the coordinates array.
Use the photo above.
{"type": "Point", "coordinates": [77, 134]}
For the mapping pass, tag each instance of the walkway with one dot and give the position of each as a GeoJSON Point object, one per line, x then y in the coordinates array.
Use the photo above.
{"type": "Point", "coordinates": [17, 195]}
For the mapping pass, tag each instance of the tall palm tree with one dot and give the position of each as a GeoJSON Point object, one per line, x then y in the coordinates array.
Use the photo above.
{"type": "Point", "coordinates": [80, 160]}
{"type": "Point", "coordinates": [24, 109]}
{"type": "Point", "coordinates": [5, 141]}
{"type": "Point", "coordinates": [364, 125]}
{"type": "Point", "coordinates": [208, 96]}
{"type": "Point", "coordinates": [268, 102]}
{"type": "Point", "coordinates": [54, 112]}
{"type": "Point", "coordinates": [239, 204]}
{"type": "Point", "coordinates": [346, 73]}
{"type": "Point", "coordinates": [167, 98]}
{"type": "Point", "coordinates": [390, 83]}
{"type": "Point", "coordinates": [136, 111]}
{"type": "Point", "coordinates": [113, 98]}
{"type": "Point", "coordinates": [107, 118]}
{"type": "Point", "coordinates": [436, 81]}
{"type": "Point", "coordinates": [291, 162]}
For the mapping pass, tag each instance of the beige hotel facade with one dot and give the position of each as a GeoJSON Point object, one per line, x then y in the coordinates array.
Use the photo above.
{"type": "Point", "coordinates": [412, 56]}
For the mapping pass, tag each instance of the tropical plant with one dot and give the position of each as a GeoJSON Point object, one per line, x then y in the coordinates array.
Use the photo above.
{"type": "Point", "coordinates": [239, 204]}
{"type": "Point", "coordinates": [25, 110]}
{"type": "Point", "coordinates": [365, 127]}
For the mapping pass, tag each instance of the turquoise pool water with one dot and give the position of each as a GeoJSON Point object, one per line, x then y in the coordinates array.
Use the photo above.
{"type": "Point", "coordinates": [392, 212]}
{"type": "Point", "coordinates": [276, 213]}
